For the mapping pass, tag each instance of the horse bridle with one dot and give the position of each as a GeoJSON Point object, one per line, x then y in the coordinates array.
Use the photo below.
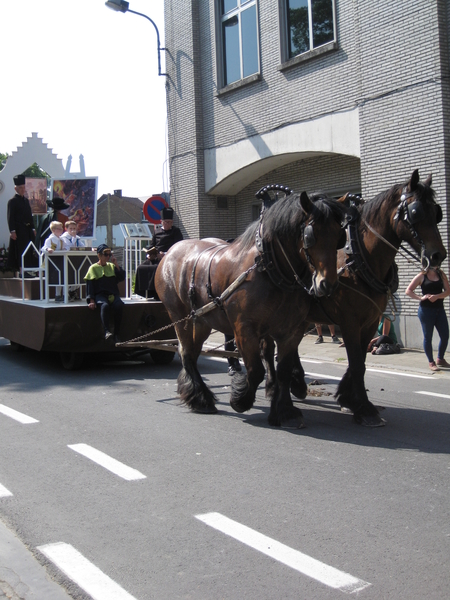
{"type": "Point", "coordinates": [413, 213]}
{"type": "Point", "coordinates": [267, 262]}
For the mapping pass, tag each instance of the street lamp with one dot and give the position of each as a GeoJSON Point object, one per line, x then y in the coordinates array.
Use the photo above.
{"type": "Point", "coordinates": [122, 6]}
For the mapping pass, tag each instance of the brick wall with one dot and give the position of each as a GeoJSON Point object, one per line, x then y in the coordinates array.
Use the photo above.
{"type": "Point", "coordinates": [392, 62]}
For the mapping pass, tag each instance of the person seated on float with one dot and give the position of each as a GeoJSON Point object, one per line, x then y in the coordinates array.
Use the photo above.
{"type": "Point", "coordinates": [102, 290]}
{"type": "Point", "coordinates": [164, 238]}
{"type": "Point", "coordinates": [385, 342]}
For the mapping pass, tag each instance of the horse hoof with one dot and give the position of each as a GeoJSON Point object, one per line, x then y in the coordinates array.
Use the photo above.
{"type": "Point", "coordinates": [372, 421]}
{"type": "Point", "coordinates": [239, 408]}
{"type": "Point", "coordinates": [294, 423]}
{"type": "Point", "coordinates": [205, 410]}
{"type": "Point", "coordinates": [299, 391]}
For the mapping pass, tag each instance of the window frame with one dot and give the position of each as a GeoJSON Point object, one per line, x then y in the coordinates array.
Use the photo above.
{"type": "Point", "coordinates": [220, 46]}
{"type": "Point", "coordinates": [286, 60]}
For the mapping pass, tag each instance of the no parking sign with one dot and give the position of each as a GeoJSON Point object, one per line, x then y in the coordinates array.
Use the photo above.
{"type": "Point", "coordinates": [153, 207]}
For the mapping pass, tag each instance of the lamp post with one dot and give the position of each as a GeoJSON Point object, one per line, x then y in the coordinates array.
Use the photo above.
{"type": "Point", "coordinates": [122, 6]}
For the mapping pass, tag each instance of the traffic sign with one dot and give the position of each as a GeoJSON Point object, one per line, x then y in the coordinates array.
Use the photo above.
{"type": "Point", "coordinates": [153, 207]}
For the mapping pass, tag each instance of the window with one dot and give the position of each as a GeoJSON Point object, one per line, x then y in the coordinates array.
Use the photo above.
{"type": "Point", "coordinates": [310, 24]}
{"type": "Point", "coordinates": [239, 31]}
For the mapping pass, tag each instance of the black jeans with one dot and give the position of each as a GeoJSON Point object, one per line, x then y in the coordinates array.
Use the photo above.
{"type": "Point", "coordinates": [101, 300]}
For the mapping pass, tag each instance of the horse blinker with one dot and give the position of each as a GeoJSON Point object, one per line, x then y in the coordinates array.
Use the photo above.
{"type": "Point", "coordinates": [308, 237]}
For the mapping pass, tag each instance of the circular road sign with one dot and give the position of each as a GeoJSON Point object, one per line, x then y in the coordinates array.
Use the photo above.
{"type": "Point", "coordinates": [153, 207]}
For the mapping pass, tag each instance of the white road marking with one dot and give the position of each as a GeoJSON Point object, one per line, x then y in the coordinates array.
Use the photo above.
{"type": "Point", "coordinates": [17, 416]}
{"type": "Point", "coordinates": [81, 571]}
{"type": "Point", "coordinates": [434, 394]}
{"type": "Point", "coordinates": [107, 462]}
{"type": "Point", "coordinates": [385, 371]}
{"type": "Point", "coordinates": [292, 558]}
{"type": "Point", "coordinates": [322, 375]}
{"type": "Point", "coordinates": [4, 492]}
{"type": "Point", "coordinates": [400, 373]}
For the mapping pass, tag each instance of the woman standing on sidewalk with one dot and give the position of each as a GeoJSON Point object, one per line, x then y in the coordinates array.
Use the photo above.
{"type": "Point", "coordinates": [431, 313]}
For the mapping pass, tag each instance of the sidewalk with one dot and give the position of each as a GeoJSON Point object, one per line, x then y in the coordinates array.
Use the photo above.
{"type": "Point", "coordinates": [22, 577]}
{"type": "Point", "coordinates": [409, 360]}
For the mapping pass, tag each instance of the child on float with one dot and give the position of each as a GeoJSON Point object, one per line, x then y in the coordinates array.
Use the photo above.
{"type": "Point", "coordinates": [52, 243]}
{"type": "Point", "coordinates": [72, 240]}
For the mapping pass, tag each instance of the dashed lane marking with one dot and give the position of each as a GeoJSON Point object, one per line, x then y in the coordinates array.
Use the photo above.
{"type": "Point", "coordinates": [434, 394]}
{"type": "Point", "coordinates": [81, 571]}
{"type": "Point", "coordinates": [107, 462]}
{"type": "Point", "coordinates": [17, 416]}
{"type": "Point", "coordinates": [4, 492]}
{"type": "Point", "coordinates": [385, 371]}
{"type": "Point", "coordinates": [322, 375]}
{"type": "Point", "coordinates": [288, 556]}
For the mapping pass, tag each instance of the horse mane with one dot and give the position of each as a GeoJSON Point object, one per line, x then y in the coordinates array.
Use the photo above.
{"type": "Point", "coordinates": [372, 208]}
{"type": "Point", "coordinates": [285, 217]}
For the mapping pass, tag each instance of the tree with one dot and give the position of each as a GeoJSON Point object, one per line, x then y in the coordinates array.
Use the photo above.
{"type": "Point", "coordinates": [3, 159]}
{"type": "Point", "coordinates": [36, 171]}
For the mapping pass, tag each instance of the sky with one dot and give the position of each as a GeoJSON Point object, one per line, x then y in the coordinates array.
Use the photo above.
{"type": "Point", "coordinates": [85, 78]}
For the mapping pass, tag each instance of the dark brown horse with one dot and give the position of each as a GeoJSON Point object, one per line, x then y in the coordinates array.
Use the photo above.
{"type": "Point", "coordinates": [406, 212]}
{"type": "Point", "coordinates": [262, 284]}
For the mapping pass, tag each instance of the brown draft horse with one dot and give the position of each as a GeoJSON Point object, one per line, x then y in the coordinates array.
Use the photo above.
{"type": "Point", "coordinates": [406, 212]}
{"type": "Point", "coordinates": [297, 239]}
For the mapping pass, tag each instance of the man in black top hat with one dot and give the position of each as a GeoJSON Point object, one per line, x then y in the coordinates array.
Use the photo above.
{"type": "Point", "coordinates": [166, 236]}
{"type": "Point", "coordinates": [21, 227]}
{"type": "Point", "coordinates": [56, 205]}
{"type": "Point", "coordinates": [163, 239]}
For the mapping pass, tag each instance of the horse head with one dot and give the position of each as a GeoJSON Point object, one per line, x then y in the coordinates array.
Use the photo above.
{"type": "Point", "coordinates": [416, 220]}
{"type": "Point", "coordinates": [322, 236]}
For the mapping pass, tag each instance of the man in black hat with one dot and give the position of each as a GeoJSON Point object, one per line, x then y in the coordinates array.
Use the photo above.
{"type": "Point", "coordinates": [164, 238]}
{"type": "Point", "coordinates": [21, 227]}
{"type": "Point", "coordinates": [167, 235]}
{"type": "Point", "coordinates": [102, 290]}
{"type": "Point", "coordinates": [56, 205]}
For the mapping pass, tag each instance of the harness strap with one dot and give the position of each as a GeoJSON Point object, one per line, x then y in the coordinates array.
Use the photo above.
{"type": "Point", "coordinates": [267, 262]}
{"type": "Point", "coordinates": [192, 284]}
{"type": "Point", "coordinates": [359, 266]}
{"type": "Point", "coordinates": [224, 295]}
{"type": "Point", "coordinates": [208, 285]}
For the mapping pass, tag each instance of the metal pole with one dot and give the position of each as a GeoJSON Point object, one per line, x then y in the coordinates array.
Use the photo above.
{"type": "Point", "coordinates": [157, 37]}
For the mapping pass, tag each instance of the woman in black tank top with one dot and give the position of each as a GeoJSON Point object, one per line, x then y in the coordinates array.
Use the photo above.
{"type": "Point", "coordinates": [431, 313]}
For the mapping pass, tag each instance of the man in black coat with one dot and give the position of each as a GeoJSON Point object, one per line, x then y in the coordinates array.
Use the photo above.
{"type": "Point", "coordinates": [21, 227]}
{"type": "Point", "coordinates": [163, 239]}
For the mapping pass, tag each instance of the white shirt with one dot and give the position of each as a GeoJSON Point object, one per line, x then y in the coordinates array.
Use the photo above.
{"type": "Point", "coordinates": [53, 242]}
{"type": "Point", "coordinates": [71, 242]}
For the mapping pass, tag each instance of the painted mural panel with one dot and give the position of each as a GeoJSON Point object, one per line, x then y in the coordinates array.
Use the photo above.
{"type": "Point", "coordinates": [81, 195]}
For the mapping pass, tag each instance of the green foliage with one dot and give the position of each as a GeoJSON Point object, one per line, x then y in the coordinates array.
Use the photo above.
{"type": "Point", "coordinates": [36, 171]}
{"type": "Point", "coordinates": [3, 159]}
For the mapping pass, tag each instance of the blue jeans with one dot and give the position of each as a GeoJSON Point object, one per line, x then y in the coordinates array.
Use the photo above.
{"type": "Point", "coordinates": [430, 318]}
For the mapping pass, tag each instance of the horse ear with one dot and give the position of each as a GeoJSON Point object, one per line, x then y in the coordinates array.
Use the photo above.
{"type": "Point", "coordinates": [429, 180]}
{"type": "Point", "coordinates": [414, 180]}
{"type": "Point", "coordinates": [306, 203]}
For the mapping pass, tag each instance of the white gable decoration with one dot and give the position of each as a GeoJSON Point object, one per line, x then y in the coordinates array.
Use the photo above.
{"type": "Point", "coordinates": [32, 151]}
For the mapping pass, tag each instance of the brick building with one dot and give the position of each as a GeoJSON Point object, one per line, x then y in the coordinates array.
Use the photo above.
{"type": "Point", "coordinates": [331, 95]}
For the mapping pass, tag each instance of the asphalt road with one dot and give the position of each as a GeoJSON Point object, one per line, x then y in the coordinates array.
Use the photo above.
{"type": "Point", "coordinates": [119, 490]}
